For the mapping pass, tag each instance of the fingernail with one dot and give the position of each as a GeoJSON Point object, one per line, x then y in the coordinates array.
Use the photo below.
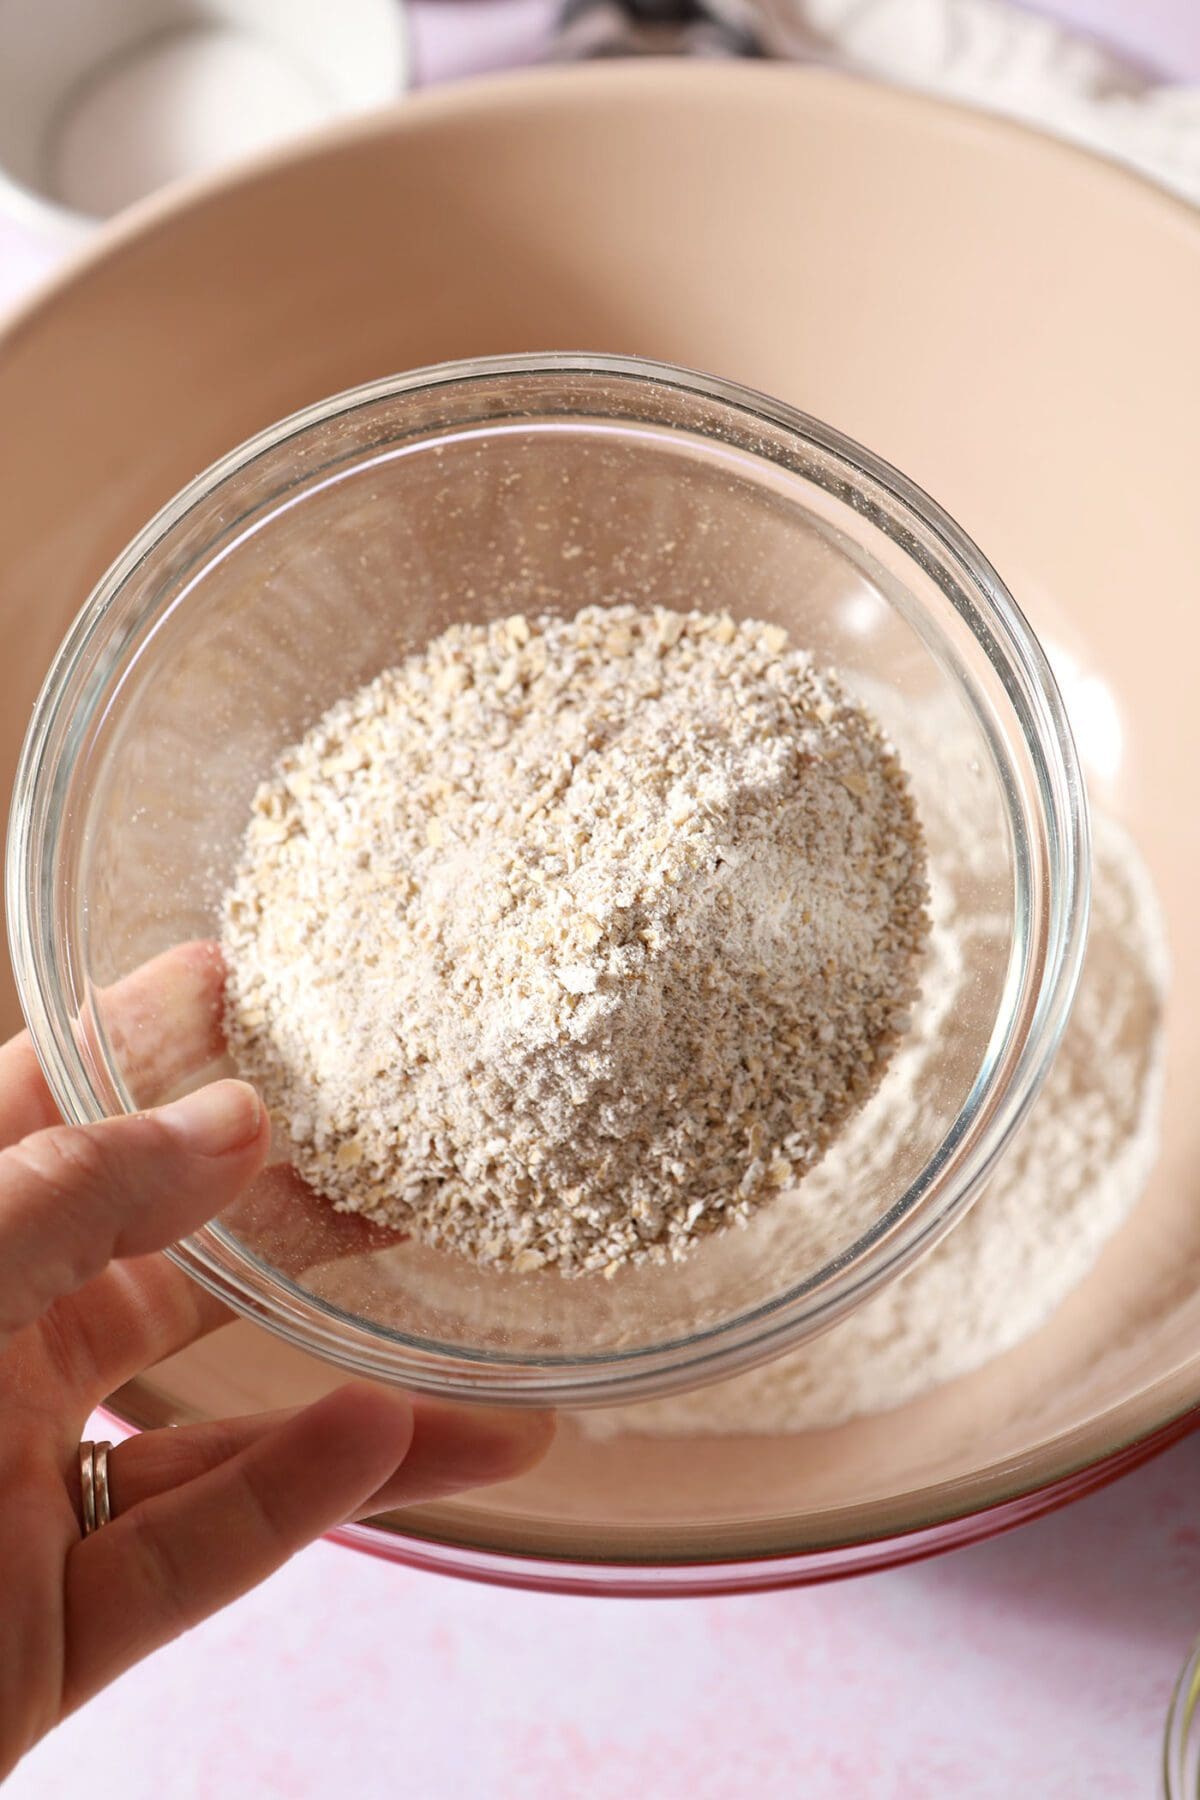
{"type": "Point", "coordinates": [215, 1120]}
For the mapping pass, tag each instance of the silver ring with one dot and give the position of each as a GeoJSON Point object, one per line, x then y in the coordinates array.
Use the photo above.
{"type": "Point", "coordinates": [93, 1485]}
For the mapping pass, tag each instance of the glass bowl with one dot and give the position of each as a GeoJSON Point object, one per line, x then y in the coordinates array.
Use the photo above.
{"type": "Point", "coordinates": [333, 544]}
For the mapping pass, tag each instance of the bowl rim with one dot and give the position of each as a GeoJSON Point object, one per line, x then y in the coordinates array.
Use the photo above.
{"type": "Point", "coordinates": [913, 1225]}
{"type": "Point", "coordinates": [937, 1532]}
{"type": "Point", "coordinates": [498, 90]}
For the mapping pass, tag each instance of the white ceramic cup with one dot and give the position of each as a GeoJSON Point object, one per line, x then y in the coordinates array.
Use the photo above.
{"type": "Point", "coordinates": [104, 101]}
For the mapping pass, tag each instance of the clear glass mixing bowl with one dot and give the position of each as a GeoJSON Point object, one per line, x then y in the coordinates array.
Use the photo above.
{"type": "Point", "coordinates": [331, 545]}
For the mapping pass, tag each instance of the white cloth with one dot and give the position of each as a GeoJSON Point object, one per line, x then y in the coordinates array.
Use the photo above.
{"type": "Point", "coordinates": [987, 53]}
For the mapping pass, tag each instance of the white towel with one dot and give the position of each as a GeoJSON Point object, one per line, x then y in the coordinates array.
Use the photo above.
{"type": "Point", "coordinates": [984, 52]}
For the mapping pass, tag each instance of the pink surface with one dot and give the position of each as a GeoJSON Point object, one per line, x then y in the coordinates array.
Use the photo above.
{"type": "Point", "coordinates": [1039, 1664]}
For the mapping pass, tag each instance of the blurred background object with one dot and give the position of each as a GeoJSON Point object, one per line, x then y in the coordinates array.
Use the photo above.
{"type": "Point", "coordinates": [988, 53]}
{"type": "Point", "coordinates": [102, 104]}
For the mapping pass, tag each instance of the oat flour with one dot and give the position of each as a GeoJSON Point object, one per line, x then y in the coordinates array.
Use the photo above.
{"type": "Point", "coordinates": [569, 941]}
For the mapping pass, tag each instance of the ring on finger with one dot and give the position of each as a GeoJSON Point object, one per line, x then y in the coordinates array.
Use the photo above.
{"type": "Point", "coordinates": [93, 1485]}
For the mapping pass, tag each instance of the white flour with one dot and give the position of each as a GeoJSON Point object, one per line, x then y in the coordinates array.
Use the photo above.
{"type": "Point", "coordinates": [1061, 1192]}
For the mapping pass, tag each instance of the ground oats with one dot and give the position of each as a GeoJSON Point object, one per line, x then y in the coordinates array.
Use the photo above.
{"type": "Point", "coordinates": [569, 941]}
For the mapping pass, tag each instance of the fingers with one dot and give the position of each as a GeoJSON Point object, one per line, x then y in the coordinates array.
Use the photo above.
{"type": "Point", "coordinates": [120, 1324]}
{"type": "Point", "coordinates": [74, 1198]}
{"type": "Point", "coordinates": [453, 1448]}
{"type": "Point", "coordinates": [139, 1311]}
{"type": "Point", "coordinates": [163, 1023]}
{"type": "Point", "coordinates": [456, 1448]}
{"type": "Point", "coordinates": [161, 1568]}
{"type": "Point", "coordinates": [288, 1225]}
{"type": "Point", "coordinates": [25, 1103]}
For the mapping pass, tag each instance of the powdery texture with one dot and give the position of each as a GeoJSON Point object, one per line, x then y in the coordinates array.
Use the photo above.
{"type": "Point", "coordinates": [1065, 1186]}
{"type": "Point", "coordinates": [570, 941]}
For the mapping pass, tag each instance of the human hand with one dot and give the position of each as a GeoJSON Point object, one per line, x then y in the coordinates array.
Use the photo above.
{"type": "Point", "coordinates": [203, 1512]}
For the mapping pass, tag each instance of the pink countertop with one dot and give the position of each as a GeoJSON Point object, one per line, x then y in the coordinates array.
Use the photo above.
{"type": "Point", "coordinates": [1036, 1667]}
{"type": "Point", "coordinates": [1040, 1664]}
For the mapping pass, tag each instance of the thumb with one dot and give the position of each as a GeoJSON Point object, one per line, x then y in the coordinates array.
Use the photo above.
{"type": "Point", "coordinates": [74, 1197]}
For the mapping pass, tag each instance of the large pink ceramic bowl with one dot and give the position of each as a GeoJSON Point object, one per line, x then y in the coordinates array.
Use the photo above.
{"type": "Point", "coordinates": [1010, 322]}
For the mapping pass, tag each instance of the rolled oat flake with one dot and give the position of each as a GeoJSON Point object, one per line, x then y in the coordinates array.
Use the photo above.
{"type": "Point", "coordinates": [570, 941]}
